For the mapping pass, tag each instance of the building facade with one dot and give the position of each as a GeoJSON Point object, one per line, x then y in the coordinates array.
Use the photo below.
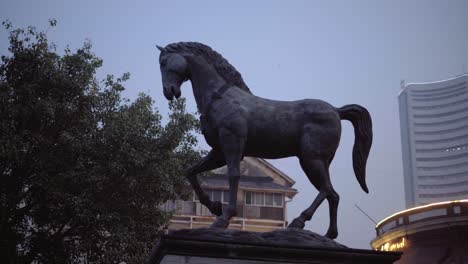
{"type": "Point", "coordinates": [263, 194]}
{"type": "Point", "coordinates": [434, 137]}
{"type": "Point", "coordinates": [432, 233]}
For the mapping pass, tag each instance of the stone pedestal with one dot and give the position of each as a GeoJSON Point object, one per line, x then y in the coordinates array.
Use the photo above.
{"type": "Point", "coordinates": [211, 245]}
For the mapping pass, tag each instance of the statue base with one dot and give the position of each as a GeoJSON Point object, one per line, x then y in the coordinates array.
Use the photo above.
{"type": "Point", "coordinates": [213, 245]}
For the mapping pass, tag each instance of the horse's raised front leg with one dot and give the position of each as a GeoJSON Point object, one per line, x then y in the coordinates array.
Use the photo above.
{"type": "Point", "coordinates": [233, 147]}
{"type": "Point", "coordinates": [213, 160]}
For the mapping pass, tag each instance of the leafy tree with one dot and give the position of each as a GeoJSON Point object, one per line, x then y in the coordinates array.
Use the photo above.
{"type": "Point", "coordinates": [82, 169]}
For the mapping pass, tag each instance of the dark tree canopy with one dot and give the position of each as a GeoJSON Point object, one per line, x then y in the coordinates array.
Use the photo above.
{"type": "Point", "coordinates": [82, 170]}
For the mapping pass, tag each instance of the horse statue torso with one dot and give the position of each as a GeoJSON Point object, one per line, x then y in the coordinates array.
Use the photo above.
{"type": "Point", "coordinates": [273, 129]}
{"type": "Point", "coordinates": [236, 123]}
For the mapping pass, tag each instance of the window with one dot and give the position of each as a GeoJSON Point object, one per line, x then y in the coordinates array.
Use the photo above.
{"type": "Point", "coordinates": [260, 198]}
{"type": "Point", "coordinates": [225, 196]}
{"type": "Point", "coordinates": [249, 198]}
{"type": "Point", "coordinates": [440, 97]}
{"type": "Point", "coordinates": [215, 195]}
{"type": "Point", "coordinates": [264, 199]}
{"type": "Point", "coordinates": [428, 214]}
{"type": "Point", "coordinates": [401, 221]}
{"type": "Point", "coordinates": [278, 199]}
{"type": "Point", "coordinates": [440, 123]}
{"type": "Point", "coordinates": [388, 226]}
{"type": "Point", "coordinates": [269, 199]}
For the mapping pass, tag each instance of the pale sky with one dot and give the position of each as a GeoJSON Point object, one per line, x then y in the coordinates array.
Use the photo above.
{"type": "Point", "coordinates": [342, 52]}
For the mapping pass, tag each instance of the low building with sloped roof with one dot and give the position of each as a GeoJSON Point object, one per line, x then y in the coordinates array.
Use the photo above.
{"type": "Point", "coordinates": [263, 194]}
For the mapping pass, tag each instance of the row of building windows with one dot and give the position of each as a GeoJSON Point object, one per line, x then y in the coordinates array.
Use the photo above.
{"type": "Point", "coordinates": [428, 90]}
{"type": "Point", "coordinates": [215, 195]}
{"type": "Point", "coordinates": [441, 114]}
{"type": "Point", "coordinates": [441, 132]}
{"type": "Point", "coordinates": [251, 198]}
{"type": "Point", "coordinates": [438, 150]}
{"type": "Point", "coordinates": [454, 166]}
{"type": "Point", "coordinates": [463, 101]}
{"type": "Point", "coordinates": [453, 176]}
{"type": "Point", "coordinates": [439, 93]}
{"type": "Point", "coordinates": [442, 186]}
{"type": "Point", "coordinates": [264, 199]}
{"type": "Point", "coordinates": [439, 98]}
{"type": "Point", "coordinates": [454, 157]}
{"type": "Point", "coordinates": [427, 214]}
{"type": "Point", "coordinates": [445, 140]}
{"type": "Point", "coordinates": [438, 212]}
{"type": "Point", "coordinates": [441, 123]}
{"type": "Point", "coordinates": [442, 195]}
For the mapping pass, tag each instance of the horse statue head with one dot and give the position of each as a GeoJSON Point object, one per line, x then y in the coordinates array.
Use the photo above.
{"type": "Point", "coordinates": [174, 71]}
{"type": "Point", "coordinates": [177, 62]}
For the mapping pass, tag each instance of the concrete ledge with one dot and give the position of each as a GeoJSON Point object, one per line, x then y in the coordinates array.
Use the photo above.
{"type": "Point", "coordinates": [208, 245]}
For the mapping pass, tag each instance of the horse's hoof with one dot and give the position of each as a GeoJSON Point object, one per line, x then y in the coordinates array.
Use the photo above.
{"type": "Point", "coordinates": [220, 222]}
{"type": "Point", "coordinates": [332, 234]}
{"type": "Point", "coordinates": [297, 223]}
{"type": "Point", "coordinates": [216, 208]}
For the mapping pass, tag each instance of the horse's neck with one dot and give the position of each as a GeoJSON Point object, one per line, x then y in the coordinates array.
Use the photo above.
{"type": "Point", "coordinates": [205, 81]}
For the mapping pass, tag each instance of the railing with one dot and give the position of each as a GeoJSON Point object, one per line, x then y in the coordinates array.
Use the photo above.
{"type": "Point", "coordinates": [193, 221]}
{"type": "Point", "coordinates": [243, 210]}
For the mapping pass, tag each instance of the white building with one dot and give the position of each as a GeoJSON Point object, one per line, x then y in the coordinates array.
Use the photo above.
{"type": "Point", "coordinates": [434, 136]}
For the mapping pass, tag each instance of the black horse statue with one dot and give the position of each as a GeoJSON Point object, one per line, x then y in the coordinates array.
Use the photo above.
{"type": "Point", "coordinates": [236, 123]}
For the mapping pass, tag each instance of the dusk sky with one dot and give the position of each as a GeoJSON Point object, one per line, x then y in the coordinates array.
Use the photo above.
{"type": "Point", "coordinates": [342, 52]}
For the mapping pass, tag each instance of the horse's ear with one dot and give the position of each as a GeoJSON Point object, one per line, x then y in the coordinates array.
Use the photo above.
{"type": "Point", "coordinates": [160, 48]}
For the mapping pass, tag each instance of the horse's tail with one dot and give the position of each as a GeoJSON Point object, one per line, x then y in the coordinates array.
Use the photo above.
{"type": "Point", "coordinates": [362, 123]}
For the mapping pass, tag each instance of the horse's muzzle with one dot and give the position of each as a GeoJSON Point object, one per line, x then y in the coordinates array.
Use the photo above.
{"type": "Point", "coordinates": [168, 94]}
{"type": "Point", "coordinates": [171, 92]}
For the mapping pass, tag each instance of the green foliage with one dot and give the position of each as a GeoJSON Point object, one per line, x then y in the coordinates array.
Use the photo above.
{"type": "Point", "coordinates": [82, 170]}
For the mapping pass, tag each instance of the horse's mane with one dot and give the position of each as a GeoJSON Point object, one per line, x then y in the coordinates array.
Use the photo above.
{"type": "Point", "coordinates": [221, 65]}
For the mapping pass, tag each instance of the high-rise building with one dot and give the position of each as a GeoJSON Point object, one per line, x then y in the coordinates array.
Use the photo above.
{"type": "Point", "coordinates": [434, 136]}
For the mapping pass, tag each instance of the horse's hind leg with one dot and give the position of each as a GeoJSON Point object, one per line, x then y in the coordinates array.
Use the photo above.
{"type": "Point", "coordinates": [213, 160]}
{"type": "Point", "coordinates": [333, 200]}
{"type": "Point", "coordinates": [317, 172]}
